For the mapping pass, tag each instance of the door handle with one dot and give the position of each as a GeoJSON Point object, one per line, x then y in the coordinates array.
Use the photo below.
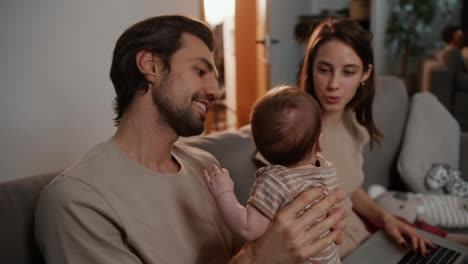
{"type": "Point", "coordinates": [267, 41]}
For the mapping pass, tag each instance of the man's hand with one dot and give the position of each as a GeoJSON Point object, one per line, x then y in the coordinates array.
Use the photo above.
{"type": "Point", "coordinates": [294, 236]}
{"type": "Point", "coordinates": [219, 181]}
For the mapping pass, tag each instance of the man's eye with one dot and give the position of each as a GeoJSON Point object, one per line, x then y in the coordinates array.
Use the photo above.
{"type": "Point", "coordinates": [200, 72]}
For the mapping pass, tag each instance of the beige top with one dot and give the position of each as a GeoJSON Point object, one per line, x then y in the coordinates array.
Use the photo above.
{"type": "Point", "coordinates": [343, 146]}
{"type": "Point", "coordinates": [276, 185]}
{"type": "Point", "coordinates": [109, 209]}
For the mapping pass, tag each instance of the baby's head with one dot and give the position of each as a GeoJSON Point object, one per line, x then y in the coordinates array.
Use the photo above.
{"type": "Point", "coordinates": [286, 124]}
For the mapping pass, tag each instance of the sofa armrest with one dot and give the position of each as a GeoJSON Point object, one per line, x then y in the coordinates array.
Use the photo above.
{"type": "Point", "coordinates": [18, 200]}
{"type": "Point", "coordinates": [441, 84]}
{"type": "Point", "coordinates": [463, 164]}
{"type": "Point", "coordinates": [432, 136]}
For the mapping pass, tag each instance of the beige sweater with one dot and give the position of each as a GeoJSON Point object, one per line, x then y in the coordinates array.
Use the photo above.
{"type": "Point", "coordinates": [342, 145]}
{"type": "Point", "coordinates": [109, 209]}
{"type": "Point", "coordinates": [276, 185]}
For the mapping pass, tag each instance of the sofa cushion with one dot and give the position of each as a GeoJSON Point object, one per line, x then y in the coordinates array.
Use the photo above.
{"type": "Point", "coordinates": [17, 203]}
{"type": "Point", "coordinates": [390, 110]}
{"type": "Point", "coordinates": [432, 136]}
{"type": "Point", "coordinates": [235, 151]}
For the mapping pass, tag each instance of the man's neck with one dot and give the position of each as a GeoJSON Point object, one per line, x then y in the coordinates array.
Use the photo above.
{"type": "Point", "coordinates": [143, 139]}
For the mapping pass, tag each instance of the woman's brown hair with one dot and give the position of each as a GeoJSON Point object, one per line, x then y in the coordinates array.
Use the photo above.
{"type": "Point", "coordinates": [353, 35]}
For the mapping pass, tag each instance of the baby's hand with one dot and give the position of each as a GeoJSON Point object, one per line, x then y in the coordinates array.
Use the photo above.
{"type": "Point", "coordinates": [219, 181]}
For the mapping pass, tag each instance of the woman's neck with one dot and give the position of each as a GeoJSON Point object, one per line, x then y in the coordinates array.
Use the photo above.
{"type": "Point", "coordinates": [332, 118]}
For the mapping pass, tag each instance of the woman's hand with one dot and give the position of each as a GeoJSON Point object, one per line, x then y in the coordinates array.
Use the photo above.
{"type": "Point", "coordinates": [368, 208]}
{"type": "Point", "coordinates": [294, 235]}
{"type": "Point", "coordinates": [399, 230]}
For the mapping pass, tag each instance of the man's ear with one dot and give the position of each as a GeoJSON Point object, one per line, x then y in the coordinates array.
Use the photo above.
{"type": "Point", "coordinates": [148, 64]}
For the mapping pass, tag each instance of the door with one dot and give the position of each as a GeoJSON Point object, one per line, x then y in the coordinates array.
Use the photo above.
{"type": "Point", "coordinates": [253, 54]}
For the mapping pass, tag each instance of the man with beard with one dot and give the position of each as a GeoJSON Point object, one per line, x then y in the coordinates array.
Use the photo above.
{"type": "Point", "coordinates": [138, 197]}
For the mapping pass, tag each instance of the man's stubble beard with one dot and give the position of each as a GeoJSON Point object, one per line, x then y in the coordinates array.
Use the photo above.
{"type": "Point", "coordinates": [172, 112]}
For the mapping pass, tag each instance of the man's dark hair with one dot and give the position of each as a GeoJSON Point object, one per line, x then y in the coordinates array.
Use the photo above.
{"type": "Point", "coordinates": [286, 124]}
{"type": "Point", "coordinates": [448, 32]}
{"type": "Point", "coordinates": [161, 35]}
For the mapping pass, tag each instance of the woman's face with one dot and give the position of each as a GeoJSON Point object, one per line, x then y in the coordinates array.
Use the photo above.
{"type": "Point", "coordinates": [337, 72]}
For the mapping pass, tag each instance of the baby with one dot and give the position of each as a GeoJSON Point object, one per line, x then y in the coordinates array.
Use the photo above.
{"type": "Point", "coordinates": [286, 127]}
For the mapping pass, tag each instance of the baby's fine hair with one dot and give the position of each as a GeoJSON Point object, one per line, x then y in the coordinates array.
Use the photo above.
{"type": "Point", "coordinates": [286, 123]}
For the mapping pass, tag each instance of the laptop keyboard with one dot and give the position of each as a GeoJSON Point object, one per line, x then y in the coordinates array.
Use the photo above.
{"type": "Point", "coordinates": [436, 255]}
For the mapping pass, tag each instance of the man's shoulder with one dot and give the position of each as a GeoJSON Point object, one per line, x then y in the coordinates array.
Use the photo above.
{"type": "Point", "coordinates": [79, 186]}
{"type": "Point", "coordinates": [81, 175]}
{"type": "Point", "coordinates": [66, 188]}
{"type": "Point", "coordinates": [63, 195]}
{"type": "Point", "coordinates": [77, 177]}
{"type": "Point", "coordinates": [65, 204]}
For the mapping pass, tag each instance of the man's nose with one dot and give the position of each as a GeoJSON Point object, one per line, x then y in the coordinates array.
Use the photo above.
{"type": "Point", "coordinates": [212, 88]}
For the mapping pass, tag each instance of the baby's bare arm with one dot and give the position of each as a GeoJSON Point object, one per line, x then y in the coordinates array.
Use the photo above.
{"type": "Point", "coordinates": [248, 222]}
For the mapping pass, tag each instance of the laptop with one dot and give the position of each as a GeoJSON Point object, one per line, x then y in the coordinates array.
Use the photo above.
{"type": "Point", "coordinates": [380, 249]}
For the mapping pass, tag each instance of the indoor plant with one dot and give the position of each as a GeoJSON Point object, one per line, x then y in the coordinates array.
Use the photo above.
{"type": "Point", "coordinates": [409, 20]}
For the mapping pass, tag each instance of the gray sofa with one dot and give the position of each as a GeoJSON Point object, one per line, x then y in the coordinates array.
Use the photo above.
{"type": "Point", "coordinates": [235, 150]}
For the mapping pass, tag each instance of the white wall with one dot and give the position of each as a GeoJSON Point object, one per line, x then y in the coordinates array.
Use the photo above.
{"type": "Point", "coordinates": [317, 6]}
{"type": "Point", "coordinates": [287, 54]}
{"type": "Point", "coordinates": [380, 11]}
{"type": "Point", "coordinates": [56, 96]}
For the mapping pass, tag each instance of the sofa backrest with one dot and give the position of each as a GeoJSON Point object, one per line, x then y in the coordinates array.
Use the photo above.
{"type": "Point", "coordinates": [17, 203]}
{"type": "Point", "coordinates": [235, 151]}
{"type": "Point", "coordinates": [432, 136]}
{"type": "Point", "coordinates": [390, 110]}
